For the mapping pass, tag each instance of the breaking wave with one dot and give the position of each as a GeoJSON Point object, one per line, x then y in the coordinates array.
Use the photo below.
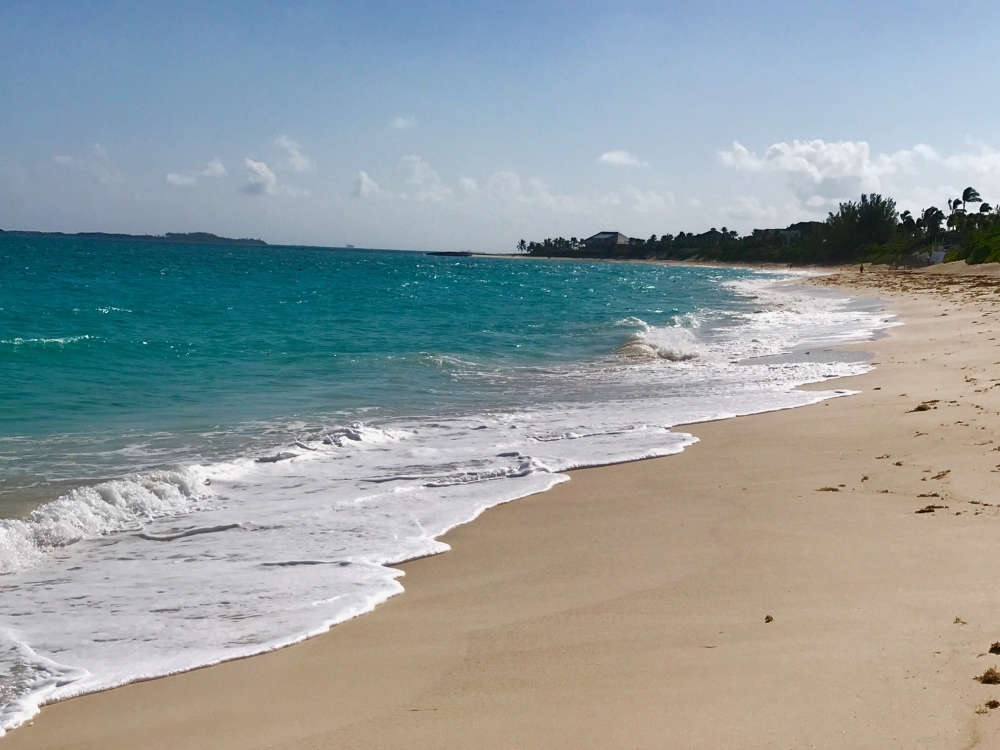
{"type": "Point", "coordinates": [673, 343]}
{"type": "Point", "coordinates": [91, 512]}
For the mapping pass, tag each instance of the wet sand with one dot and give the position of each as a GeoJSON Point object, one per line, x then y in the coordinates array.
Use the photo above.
{"type": "Point", "coordinates": [628, 608]}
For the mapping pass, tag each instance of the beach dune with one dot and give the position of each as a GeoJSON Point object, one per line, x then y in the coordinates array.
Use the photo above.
{"type": "Point", "coordinates": [771, 586]}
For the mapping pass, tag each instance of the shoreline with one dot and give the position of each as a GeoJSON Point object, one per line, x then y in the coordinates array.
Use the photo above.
{"type": "Point", "coordinates": [668, 444]}
{"type": "Point", "coordinates": [97, 667]}
{"type": "Point", "coordinates": [480, 561]}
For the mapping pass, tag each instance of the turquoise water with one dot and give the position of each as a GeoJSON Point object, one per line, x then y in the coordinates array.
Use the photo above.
{"type": "Point", "coordinates": [208, 452]}
{"type": "Point", "coordinates": [129, 355]}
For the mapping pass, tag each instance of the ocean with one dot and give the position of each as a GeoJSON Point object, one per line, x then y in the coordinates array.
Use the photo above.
{"type": "Point", "coordinates": [208, 452]}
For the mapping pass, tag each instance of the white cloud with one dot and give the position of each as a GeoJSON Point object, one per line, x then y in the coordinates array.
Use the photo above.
{"type": "Point", "coordinates": [504, 184]}
{"type": "Point", "coordinates": [620, 159]}
{"type": "Point", "coordinates": [741, 158]}
{"type": "Point", "coordinates": [821, 173]}
{"type": "Point", "coordinates": [750, 208]}
{"type": "Point", "coordinates": [427, 183]}
{"type": "Point", "coordinates": [498, 194]}
{"type": "Point", "coordinates": [296, 159]}
{"type": "Point", "coordinates": [648, 201]}
{"type": "Point", "coordinates": [542, 195]}
{"type": "Point", "coordinates": [984, 161]}
{"type": "Point", "coordinates": [181, 180]}
{"type": "Point", "coordinates": [402, 123]}
{"type": "Point", "coordinates": [366, 187]}
{"type": "Point", "coordinates": [94, 165]}
{"type": "Point", "coordinates": [214, 168]}
{"type": "Point", "coordinates": [260, 179]}
{"type": "Point", "coordinates": [507, 187]}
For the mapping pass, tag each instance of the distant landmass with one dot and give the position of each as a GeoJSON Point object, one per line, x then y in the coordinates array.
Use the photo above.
{"type": "Point", "coordinates": [173, 238]}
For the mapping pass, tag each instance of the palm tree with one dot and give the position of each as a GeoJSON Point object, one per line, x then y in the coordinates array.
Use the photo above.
{"type": "Point", "coordinates": [970, 195]}
{"type": "Point", "coordinates": [906, 219]}
{"type": "Point", "coordinates": [930, 219]}
{"type": "Point", "coordinates": [522, 246]}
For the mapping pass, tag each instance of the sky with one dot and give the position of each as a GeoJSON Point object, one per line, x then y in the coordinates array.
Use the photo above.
{"type": "Point", "coordinates": [469, 126]}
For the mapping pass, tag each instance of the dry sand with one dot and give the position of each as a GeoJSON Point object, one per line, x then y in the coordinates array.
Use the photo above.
{"type": "Point", "coordinates": [627, 608]}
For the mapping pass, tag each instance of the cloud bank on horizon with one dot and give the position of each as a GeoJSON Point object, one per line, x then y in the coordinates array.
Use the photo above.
{"type": "Point", "coordinates": [313, 137]}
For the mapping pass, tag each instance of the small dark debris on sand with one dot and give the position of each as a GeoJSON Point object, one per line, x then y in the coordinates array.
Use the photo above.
{"type": "Point", "coordinates": [931, 508]}
{"type": "Point", "coordinates": [828, 489]}
{"type": "Point", "coordinates": [960, 621]}
{"type": "Point", "coordinates": [768, 618]}
{"type": "Point", "coordinates": [942, 474]}
{"type": "Point", "coordinates": [990, 677]}
{"type": "Point", "coordinates": [929, 494]}
{"type": "Point", "coordinates": [992, 704]}
{"type": "Point", "coordinates": [919, 407]}
{"type": "Point", "coordinates": [995, 648]}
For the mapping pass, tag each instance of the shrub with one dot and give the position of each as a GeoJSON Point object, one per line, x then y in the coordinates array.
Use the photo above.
{"type": "Point", "coordinates": [984, 247]}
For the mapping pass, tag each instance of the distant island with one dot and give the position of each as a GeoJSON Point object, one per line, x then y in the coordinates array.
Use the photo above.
{"type": "Point", "coordinates": [170, 238]}
{"type": "Point", "coordinates": [869, 230]}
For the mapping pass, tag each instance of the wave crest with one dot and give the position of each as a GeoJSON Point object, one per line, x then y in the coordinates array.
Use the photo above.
{"type": "Point", "coordinates": [46, 342]}
{"type": "Point", "coordinates": [676, 343]}
{"type": "Point", "coordinates": [90, 512]}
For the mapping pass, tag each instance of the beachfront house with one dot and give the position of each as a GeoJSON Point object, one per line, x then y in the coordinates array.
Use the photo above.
{"type": "Point", "coordinates": [606, 241]}
{"type": "Point", "coordinates": [791, 234]}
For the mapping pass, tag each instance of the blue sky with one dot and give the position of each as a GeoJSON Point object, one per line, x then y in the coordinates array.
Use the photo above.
{"type": "Point", "coordinates": [471, 125]}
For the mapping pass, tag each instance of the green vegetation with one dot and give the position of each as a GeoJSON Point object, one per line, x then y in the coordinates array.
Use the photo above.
{"type": "Point", "coordinates": [869, 230]}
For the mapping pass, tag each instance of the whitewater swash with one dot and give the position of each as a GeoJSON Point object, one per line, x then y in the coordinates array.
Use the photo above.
{"type": "Point", "coordinates": [163, 569]}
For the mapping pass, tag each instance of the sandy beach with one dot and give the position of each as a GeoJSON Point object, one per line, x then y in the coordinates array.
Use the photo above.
{"type": "Point", "coordinates": [772, 586]}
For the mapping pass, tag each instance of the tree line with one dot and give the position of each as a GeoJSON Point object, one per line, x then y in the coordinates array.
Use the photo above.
{"type": "Point", "coordinates": [869, 230]}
